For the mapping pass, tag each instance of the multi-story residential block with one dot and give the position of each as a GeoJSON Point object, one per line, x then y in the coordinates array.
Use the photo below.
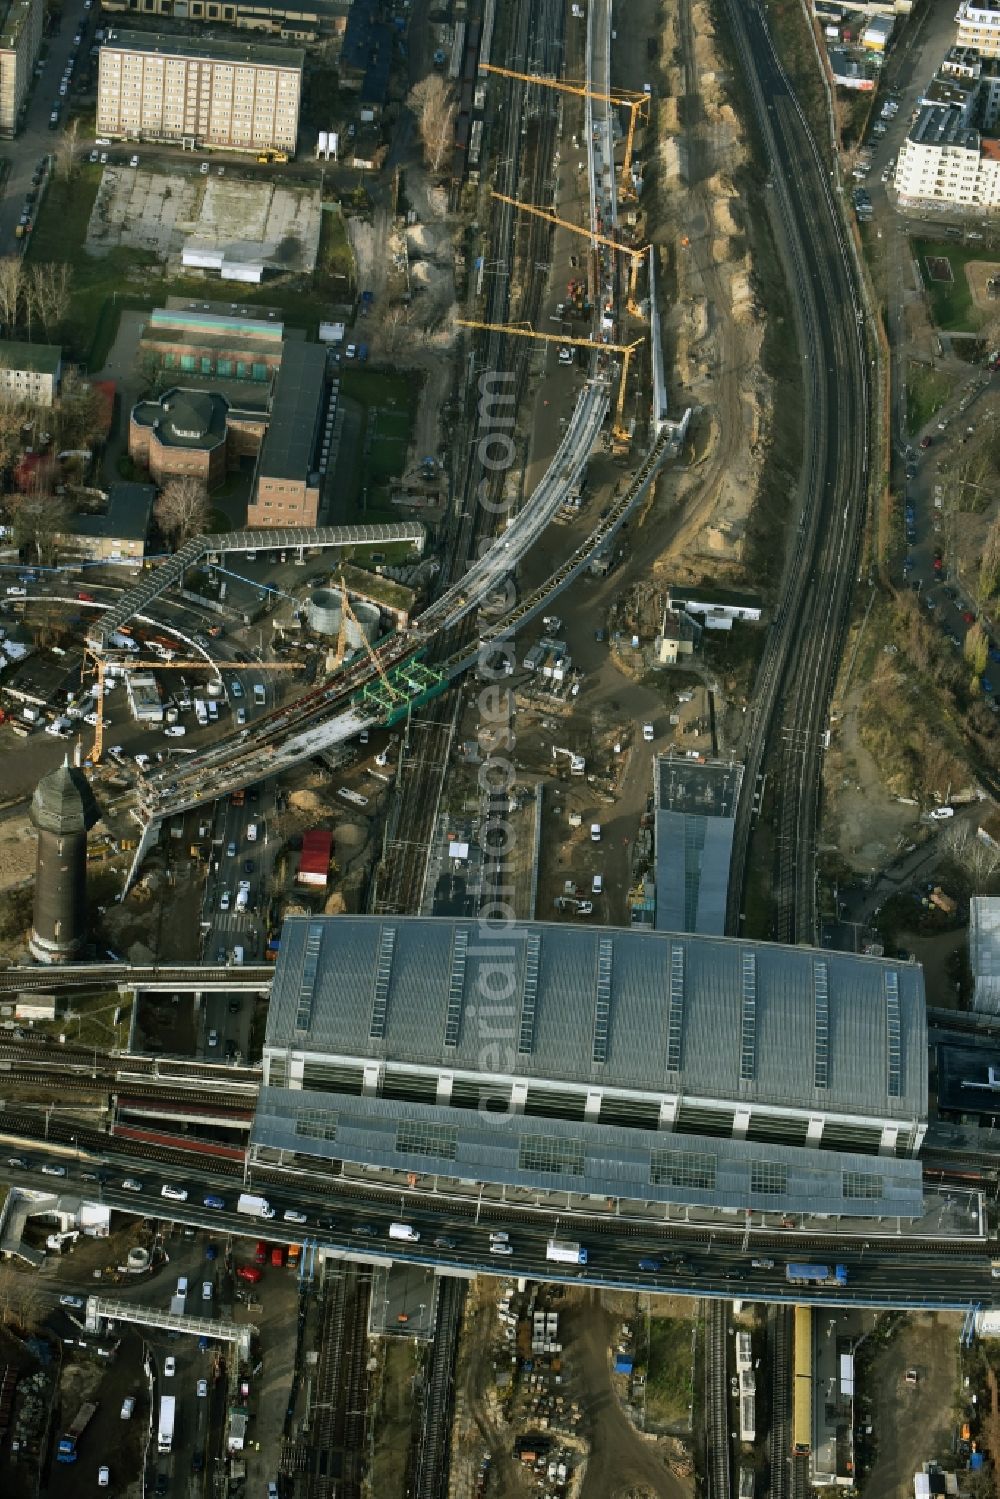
{"type": "Point", "coordinates": [979, 26]}
{"type": "Point", "coordinates": [20, 42]}
{"type": "Point", "coordinates": [30, 373]}
{"type": "Point", "coordinates": [231, 96]}
{"type": "Point", "coordinates": [291, 20]}
{"type": "Point", "coordinates": [943, 160]}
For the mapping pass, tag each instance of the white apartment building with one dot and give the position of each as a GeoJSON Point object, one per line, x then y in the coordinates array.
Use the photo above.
{"type": "Point", "coordinates": [979, 26]}
{"type": "Point", "coordinates": [230, 96]}
{"type": "Point", "coordinates": [30, 373]}
{"type": "Point", "coordinates": [943, 161]}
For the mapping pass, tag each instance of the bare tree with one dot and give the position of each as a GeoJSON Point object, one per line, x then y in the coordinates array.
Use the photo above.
{"type": "Point", "coordinates": [65, 152]}
{"type": "Point", "coordinates": [11, 291]}
{"type": "Point", "coordinates": [989, 562]}
{"type": "Point", "coordinates": [976, 648]}
{"type": "Point", "coordinates": [182, 509]}
{"type": "Point", "coordinates": [432, 103]}
{"type": "Point", "coordinates": [49, 288]}
{"type": "Point", "coordinates": [79, 416]}
{"type": "Point", "coordinates": [979, 858]}
{"type": "Point", "coordinates": [37, 520]}
{"type": "Point", "coordinates": [393, 318]}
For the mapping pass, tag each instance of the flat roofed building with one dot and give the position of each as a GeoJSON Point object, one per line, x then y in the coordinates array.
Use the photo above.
{"type": "Point", "coordinates": [717, 608]}
{"type": "Point", "coordinates": [291, 20]}
{"type": "Point", "coordinates": [632, 1056]}
{"type": "Point", "coordinates": [695, 818]}
{"type": "Point", "coordinates": [943, 161]}
{"type": "Point", "coordinates": [118, 534]}
{"type": "Point", "coordinates": [979, 26]}
{"type": "Point", "coordinates": [984, 952]}
{"type": "Point", "coordinates": [287, 490]}
{"type": "Point", "coordinates": [236, 96]}
{"type": "Point", "coordinates": [20, 43]}
{"type": "Point", "coordinates": [30, 372]}
{"type": "Point", "coordinates": [205, 339]}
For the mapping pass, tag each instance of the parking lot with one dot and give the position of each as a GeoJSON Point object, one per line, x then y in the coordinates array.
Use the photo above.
{"type": "Point", "coordinates": [146, 1363]}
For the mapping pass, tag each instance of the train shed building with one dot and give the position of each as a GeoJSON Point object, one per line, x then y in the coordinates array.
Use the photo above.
{"type": "Point", "coordinates": [636, 1066]}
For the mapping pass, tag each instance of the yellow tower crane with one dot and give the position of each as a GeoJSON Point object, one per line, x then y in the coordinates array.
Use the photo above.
{"type": "Point", "coordinates": [619, 435]}
{"type": "Point", "coordinates": [636, 256]}
{"type": "Point", "coordinates": [636, 104]}
{"type": "Point", "coordinates": [129, 663]}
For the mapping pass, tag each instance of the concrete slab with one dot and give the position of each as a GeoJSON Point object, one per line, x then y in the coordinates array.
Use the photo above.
{"type": "Point", "coordinates": [275, 222]}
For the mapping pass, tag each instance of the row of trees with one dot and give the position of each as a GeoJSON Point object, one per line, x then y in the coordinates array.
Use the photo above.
{"type": "Point", "coordinates": [34, 295]}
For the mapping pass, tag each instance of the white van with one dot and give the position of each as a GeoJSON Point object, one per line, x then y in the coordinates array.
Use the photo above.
{"type": "Point", "coordinates": [403, 1231]}
{"type": "Point", "coordinates": [182, 1285]}
{"type": "Point", "coordinates": [252, 832]}
{"type": "Point", "coordinates": [237, 954]}
{"type": "Point", "coordinates": [175, 1194]}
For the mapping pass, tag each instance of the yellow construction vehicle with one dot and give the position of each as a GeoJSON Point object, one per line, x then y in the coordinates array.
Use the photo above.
{"type": "Point", "coordinates": [636, 104]}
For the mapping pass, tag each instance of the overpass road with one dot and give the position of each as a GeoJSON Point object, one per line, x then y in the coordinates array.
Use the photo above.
{"type": "Point", "coordinates": [351, 1219]}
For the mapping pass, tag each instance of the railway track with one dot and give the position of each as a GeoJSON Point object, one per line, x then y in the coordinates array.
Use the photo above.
{"type": "Point", "coordinates": [717, 1441]}
{"type": "Point", "coordinates": [399, 885]}
{"type": "Point", "coordinates": [431, 1478]}
{"type": "Point", "coordinates": [337, 1440]}
{"type": "Point", "coordinates": [787, 722]}
{"type": "Point", "coordinates": [779, 1442]}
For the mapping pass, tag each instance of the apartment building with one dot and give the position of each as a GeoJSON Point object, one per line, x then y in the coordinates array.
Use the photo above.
{"type": "Point", "coordinates": [291, 20]}
{"type": "Point", "coordinates": [230, 96]}
{"type": "Point", "coordinates": [20, 43]}
{"type": "Point", "coordinates": [979, 26]}
{"type": "Point", "coordinates": [30, 373]}
{"type": "Point", "coordinates": [944, 161]}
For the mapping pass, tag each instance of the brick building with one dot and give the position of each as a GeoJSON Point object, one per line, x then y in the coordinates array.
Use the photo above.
{"type": "Point", "coordinates": [288, 489]}
{"type": "Point", "coordinates": [213, 340]}
{"type": "Point", "coordinates": [181, 434]}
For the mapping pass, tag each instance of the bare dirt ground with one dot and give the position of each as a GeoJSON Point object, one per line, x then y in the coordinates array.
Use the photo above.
{"type": "Point", "coordinates": [412, 334]}
{"type": "Point", "coordinates": [17, 849]}
{"type": "Point", "coordinates": [977, 273]}
{"type": "Point", "coordinates": [713, 333]}
{"type": "Point", "coordinates": [620, 1458]}
{"type": "Point", "coordinates": [871, 827]}
{"type": "Point", "coordinates": [619, 1461]}
{"type": "Point", "coordinates": [912, 1422]}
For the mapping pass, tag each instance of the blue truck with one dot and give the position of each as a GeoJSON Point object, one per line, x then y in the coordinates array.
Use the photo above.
{"type": "Point", "coordinates": [816, 1275]}
{"type": "Point", "coordinates": [66, 1451]}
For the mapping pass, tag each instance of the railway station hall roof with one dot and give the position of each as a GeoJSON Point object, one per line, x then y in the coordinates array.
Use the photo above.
{"type": "Point", "coordinates": [710, 1017]}
{"type": "Point", "coordinates": [602, 1160]}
